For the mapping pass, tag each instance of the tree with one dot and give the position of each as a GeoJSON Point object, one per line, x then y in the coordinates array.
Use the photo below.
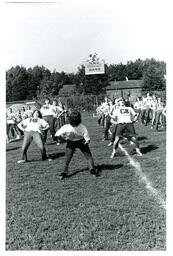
{"type": "Point", "coordinates": [23, 84]}
{"type": "Point", "coordinates": [153, 75]}
{"type": "Point", "coordinates": [16, 83]}
{"type": "Point", "coordinates": [134, 70]}
{"type": "Point", "coordinates": [117, 72]}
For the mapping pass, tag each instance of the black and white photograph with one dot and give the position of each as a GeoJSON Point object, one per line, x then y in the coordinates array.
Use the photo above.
{"type": "Point", "coordinates": [86, 126]}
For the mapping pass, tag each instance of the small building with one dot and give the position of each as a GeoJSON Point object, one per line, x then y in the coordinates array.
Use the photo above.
{"type": "Point", "coordinates": [128, 89]}
{"type": "Point", "coordinates": [67, 90]}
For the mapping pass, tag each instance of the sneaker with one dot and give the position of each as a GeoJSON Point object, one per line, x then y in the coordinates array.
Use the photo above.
{"type": "Point", "coordinates": [97, 173]}
{"type": "Point", "coordinates": [110, 144]}
{"type": "Point", "coordinates": [47, 159]}
{"type": "Point", "coordinates": [92, 171]}
{"type": "Point", "coordinates": [63, 175]}
{"type": "Point", "coordinates": [21, 161]}
{"type": "Point", "coordinates": [138, 152]}
{"type": "Point", "coordinates": [113, 154]}
{"type": "Point", "coordinates": [58, 143]}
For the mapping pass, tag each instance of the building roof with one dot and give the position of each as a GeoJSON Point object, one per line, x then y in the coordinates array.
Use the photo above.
{"type": "Point", "coordinates": [131, 84]}
{"type": "Point", "coordinates": [67, 89]}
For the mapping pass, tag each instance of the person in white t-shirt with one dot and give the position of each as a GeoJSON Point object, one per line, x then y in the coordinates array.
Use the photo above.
{"type": "Point", "coordinates": [33, 128]}
{"type": "Point", "coordinates": [143, 110]}
{"type": "Point", "coordinates": [48, 112]}
{"type": "Point", "coordinates": [29, 111]}
{"type": "Point", "coordinates": [125, 118]}
{"type": "Point", "coordinates": [76, 136]}
{"type": "Point", "coordinates": [148, 102]}
{"type": "Point", "coordinates": [12, 125]}
{"type": "Point", "coordinates": [107, 108]}
{"type": "Point", "coordinates": [60, 114]}
{"type": "Point", "coordinates": [137, 106]}
{"type": "Point", "coordinates": [164, 116]}
{"type": "Point", "coordinates": [154, 110]}
{"type": "Point", "coordinates": [113, 121]}
{"type": "Point", "coordinates": [160, 107]}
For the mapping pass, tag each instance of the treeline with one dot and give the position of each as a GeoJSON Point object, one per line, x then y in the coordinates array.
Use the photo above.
{"type": "Point", "coordinates": [32, 83]}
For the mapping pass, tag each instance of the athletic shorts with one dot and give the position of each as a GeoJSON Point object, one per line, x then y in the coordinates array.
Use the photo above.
{"type": "Point", "coordinates": [72, 145]}
{"type": "Point", "coordinates": [125, 129]}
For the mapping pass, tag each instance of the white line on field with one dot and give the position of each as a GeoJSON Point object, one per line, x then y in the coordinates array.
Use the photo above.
{"type": "Point", "coordinates": [143, 178]}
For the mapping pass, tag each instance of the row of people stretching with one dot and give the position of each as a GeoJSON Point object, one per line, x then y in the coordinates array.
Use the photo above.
{"type": "Point", "coordinates": [76, 135]}
{"type": "Point", "coordinates": [151, 108]}
{"type": "Point", "coordinates": [147, 109]}
{"type": "Point", "coordinates": [54, 114]}
{"type": "Point", "coordinates": [121, 117]}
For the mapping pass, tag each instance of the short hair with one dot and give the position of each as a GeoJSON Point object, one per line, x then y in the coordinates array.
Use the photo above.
{"type": "Point", "coordinates": [121, 99]}
{"type": "Point", "coordinates": [55, 100]}
{"type": "Point", "coordinates": [75, 118]}
{"type": "Point", "coordinates": [39, 113]}
{"type": "Point", "coordinates": [47, 99]}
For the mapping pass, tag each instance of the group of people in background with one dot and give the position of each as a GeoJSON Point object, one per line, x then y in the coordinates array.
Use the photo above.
{"type": "Point", "coordinates": [13, 119]}
{"type": "Point", "coordinates": [66, 125]}
{"type": "Point", "coordinates": [54, 114]}
{"type": "Point", "coordinates": [152, 110]}
{"type": "Point", "coordinates": [120, 115]}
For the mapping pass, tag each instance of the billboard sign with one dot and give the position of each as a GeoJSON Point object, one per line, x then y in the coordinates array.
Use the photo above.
{"type": "Point", "coordinates": [94, 65]}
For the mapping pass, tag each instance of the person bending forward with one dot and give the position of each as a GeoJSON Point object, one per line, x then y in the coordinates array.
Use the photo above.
{"type": "Point", "coordinates": [76, 135]}
{"type": "Point", "coordinates": [124, 119]}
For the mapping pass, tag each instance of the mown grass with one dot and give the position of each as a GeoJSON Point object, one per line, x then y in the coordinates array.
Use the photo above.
{"type": "Point", "coordinates": [112, 212]}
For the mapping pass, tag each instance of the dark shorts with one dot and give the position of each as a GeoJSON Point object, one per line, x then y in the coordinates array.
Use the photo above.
{"type": "Point", "coordinates": [72, 145]}
{"type": "Point", "coordinates": [125, 129]}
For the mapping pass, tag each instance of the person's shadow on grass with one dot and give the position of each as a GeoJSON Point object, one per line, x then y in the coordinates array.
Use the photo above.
{"type": "Point", "coordinates": [148, 148]}
{"type": "Point", "coordinates": [142, 138]}
{"type": "Point", "coordinates": [99, 168]}
{"type": "Point", "coordinates": [56, 155]}
{"type": "Point", "coordinates": [9, 149]}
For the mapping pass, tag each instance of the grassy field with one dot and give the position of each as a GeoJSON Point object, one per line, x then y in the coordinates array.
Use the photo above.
{"type": "Point", "coordinates": [117, 211]}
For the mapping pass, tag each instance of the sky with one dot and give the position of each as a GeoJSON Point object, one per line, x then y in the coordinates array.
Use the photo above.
{"type": "Point", "coordinates": [60, 35]}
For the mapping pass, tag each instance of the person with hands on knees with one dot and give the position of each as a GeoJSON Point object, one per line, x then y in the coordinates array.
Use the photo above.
{"type": "Point", "coordinates": [126, 116]}
{"type": "Point", "coordinates": [33, 128]}
{"type": "Point", "coordinates": [76, 135]}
